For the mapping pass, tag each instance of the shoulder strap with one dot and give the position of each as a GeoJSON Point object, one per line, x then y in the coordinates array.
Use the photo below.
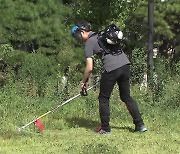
{"type": "Point", "coordinates": [93, 34]}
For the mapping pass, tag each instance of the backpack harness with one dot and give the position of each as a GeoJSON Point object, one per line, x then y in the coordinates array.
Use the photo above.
{"type": "Point", "coordinates": [109, 40]}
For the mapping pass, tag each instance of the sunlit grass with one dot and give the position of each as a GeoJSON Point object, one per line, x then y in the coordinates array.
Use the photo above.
{"type": "Point", "coordinates": [70, 129]}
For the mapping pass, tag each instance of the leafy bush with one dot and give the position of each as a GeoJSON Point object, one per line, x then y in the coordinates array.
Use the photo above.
{"type": "Point", "coordinates": [138, 65]}
{"type": "Point", "coordinates": [160, 78]}
{"type": "Point", "coordinates": [37, 69]}
{"type": "Point", "coordinates": [29, 72]}
{"type": "Point", "coordinates": [9, 62]}
{"type": "Point", "coordinates": [170, 97]}
{"type": "Point", "coordinates": [6, 50]}
{"type": "Point", "coordinates": [176, 68]}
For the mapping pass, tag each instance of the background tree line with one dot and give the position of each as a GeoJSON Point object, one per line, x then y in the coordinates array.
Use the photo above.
{"type": "Point", "coordinates": [37, 49]}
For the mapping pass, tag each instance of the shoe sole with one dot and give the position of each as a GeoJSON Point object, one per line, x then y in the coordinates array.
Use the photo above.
{"type": "Point", "coordinates": [143, 130]}
{"type": "Point", "coordinates": [102, 132]}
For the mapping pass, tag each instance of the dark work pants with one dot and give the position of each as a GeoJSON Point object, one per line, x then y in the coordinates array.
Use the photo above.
{"type": "Point", "coordinates": [108, 80]}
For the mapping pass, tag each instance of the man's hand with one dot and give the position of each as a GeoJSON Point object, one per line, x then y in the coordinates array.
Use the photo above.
{"type": "Point", "coordinates": [83, 90]}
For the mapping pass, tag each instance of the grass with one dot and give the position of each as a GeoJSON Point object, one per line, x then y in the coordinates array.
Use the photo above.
{"type": "Point", "coordinates": [70, 130]}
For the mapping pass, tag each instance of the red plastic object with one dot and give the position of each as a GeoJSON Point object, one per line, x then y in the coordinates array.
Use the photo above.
{"type": "Point", "coordinates": [39, 124]}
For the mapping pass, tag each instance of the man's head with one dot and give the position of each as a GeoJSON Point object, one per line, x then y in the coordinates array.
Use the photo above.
{"type": "Point", "coordinates": [81, 30]}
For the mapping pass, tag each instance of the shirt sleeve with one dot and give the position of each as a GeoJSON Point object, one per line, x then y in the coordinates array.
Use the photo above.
{"type": "Point", "coordinates": [88, 50]}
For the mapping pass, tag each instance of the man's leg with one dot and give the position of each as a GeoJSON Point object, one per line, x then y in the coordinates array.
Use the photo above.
{"type": "Point", "coordinates": [106, 86]}
{"type": "Point", "coordinates": [124, 88]}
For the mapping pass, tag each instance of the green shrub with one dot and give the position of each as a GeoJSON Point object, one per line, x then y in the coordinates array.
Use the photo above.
{"type": "Point", "coordinates": [6, 50]}
{"type": "Point", "coordinates": [170, 97]}
{"type": "Point", "coordinates": [176, 68]}
{"type": "Point", "coordinates": [161, 75]}
{"type": "Point", "coordinates": [37, 69]}
{"type": "Point", "coordinates": [10, 62]}
{"type": "Point", "coordinates": [138, 65]}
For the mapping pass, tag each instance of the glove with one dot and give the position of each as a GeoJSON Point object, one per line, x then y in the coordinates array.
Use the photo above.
{"type": "Point", "coordinates": [83, 90]}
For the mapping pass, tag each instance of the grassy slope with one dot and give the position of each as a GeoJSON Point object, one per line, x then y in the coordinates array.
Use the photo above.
{"type": "Point", "coordinates": [70, 129]}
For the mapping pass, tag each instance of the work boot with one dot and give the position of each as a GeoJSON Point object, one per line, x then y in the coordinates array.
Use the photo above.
{"type": "Point", "coordinates": [140, 128]}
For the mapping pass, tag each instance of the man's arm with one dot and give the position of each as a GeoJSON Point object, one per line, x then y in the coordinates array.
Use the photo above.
{"type": "Point", "coordinates": [88, 69]}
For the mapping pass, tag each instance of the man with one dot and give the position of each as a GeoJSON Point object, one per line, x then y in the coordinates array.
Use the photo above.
{"type": "Point", "coordinates": [116, 70]}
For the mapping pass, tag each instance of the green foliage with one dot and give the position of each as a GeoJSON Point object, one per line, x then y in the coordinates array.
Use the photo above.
{"type": "Point", "coordinates": [34, 26]}
{"type": "Point", "coordinates": [116, 11]}
{"type": "Point", "coordinates": [42, 28]}
{"type": "Point", "coordinates": [10, 62]}
{"type": "Point", "coordinates": [160, 78]}
{"type": "Point", "coordinates": [167, 19]}
{"type": "Point", "coordinates": [37, 69]}
{"type": "Point", "coordinates": [33, 66]}
{"type": "Point", "coordinates": [138, 65]}
{"type": "Point", "coordinates": [171, 94]}
{"type": "Point", "coordinates": [29, 80]}
{"type": "Point", "coordinates": [30, 73]}
{"type": "Point", "coordinates": [136, 26]}
{"type": "Point", "coordinates": [176, 68]}
{"type": "Point", "coordinates": [6, 51]}
{"type": "Point", "coordinates": [38, 75]}
{"type": "Point", "coordinates": [72, 61]}
{"type": "Point", "coordinates": [166, 25]}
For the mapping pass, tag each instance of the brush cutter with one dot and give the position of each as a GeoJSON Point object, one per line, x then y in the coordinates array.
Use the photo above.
{"type": "Point", "coordinates": [39, 124]}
